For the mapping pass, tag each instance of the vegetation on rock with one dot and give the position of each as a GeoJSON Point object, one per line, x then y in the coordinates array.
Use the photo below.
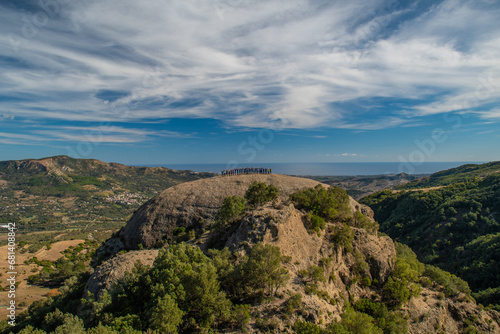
{"type": "Point", "coordinates": [344, 271]}
{"type": "Point", "coordinates": [453, 226]}
{"type": "Point", "coordinates": [259, 193]}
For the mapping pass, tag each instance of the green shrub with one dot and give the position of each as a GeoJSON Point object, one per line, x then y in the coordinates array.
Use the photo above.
{"type": "Point", "coordinates": [452, 283]}
{"type": "Point", "coordinates": [304, 327]}
{"type": "Point", "coordinates": [328, 203]}
{"type": "Point", "coordinates": [258, 273]}
{"type": "Point", "coordinates": [366, 281]}
{"type": "Point", "coordinates": [343, 237]}
{"type": "Point", "coordinates": [190, 280]}
{"type": "Point", "coordinates": [359, 323]}
{"type": "Point", "coordinates": [179, 230]}
{"type": "Point", "coordinates": [293, 303]}
{"type": "Point", "coordinates": [231, 209]}
{"type": "Point", "coordinates": [241, 315]}
{"type": "Point", "coordinates": [360, 265]}
{"type": "Point", "coordinates": [364, 222]}
{"type": "Point", "coordinates": [259, 193]}
{"type": "Point", "coordinates": [488, 297]}
{"type": "Point", "coordinates": [316, 223]}
{"type": "Point", "coordinates": [313, 274]}
{"type": "Point", "coordinates": [398, 291]}
{"type": "Point", "coordinates": [166, 316]}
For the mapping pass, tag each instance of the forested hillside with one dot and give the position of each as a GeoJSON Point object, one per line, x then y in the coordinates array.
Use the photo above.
{"type": "Point", "coordinates": [58, 192]}
{"type": "Point", "coordinates": [362, 185]}
{"type": "Point", "coordinates": [453, 223]}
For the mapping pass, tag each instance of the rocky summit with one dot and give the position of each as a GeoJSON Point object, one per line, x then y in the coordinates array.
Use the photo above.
{"type": "Point", "coordinates": [356, 265]}
{"type": "Point", "coordinates": [195, 204]}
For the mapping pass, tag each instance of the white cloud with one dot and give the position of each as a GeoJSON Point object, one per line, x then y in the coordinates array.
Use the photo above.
{"type": "Point", "coordinates": [491, 114]}
{"type": "Point", "coordinates": [249, 64]}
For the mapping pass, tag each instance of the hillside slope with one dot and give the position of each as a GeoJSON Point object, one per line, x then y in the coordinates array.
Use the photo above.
{"type": "Point", "coordinates": [356, 268]}
{"type": "Point", "coordinates": [57, 192]}
{"type": "Point", "coordinates": [454, 223]}
{"type": "Point", "coordinates": [454, 175]}
{"type": "Point", "coordinates": [363, 185]}
{"type": "Point", "coordinates": [292, 256]}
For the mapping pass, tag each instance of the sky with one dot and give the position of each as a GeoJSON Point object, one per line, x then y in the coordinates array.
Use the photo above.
{"type": "Point", "coordinates": [247, 82]}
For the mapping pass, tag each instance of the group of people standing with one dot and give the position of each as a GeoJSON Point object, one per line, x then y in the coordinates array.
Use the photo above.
{"type": "Point", "coordinates": [246, 170]}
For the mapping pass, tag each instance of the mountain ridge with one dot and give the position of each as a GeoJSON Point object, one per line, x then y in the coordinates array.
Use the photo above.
{"type": "Point", "coordinates": [53, 190]}
{"type": "Point", "coordinates": [451, 219]}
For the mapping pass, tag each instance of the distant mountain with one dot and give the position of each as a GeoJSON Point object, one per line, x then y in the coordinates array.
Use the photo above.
{"type": "Point", "coordinates": [450, 219]}
{"type": "Point", "coordinates": [363, 185]}
{"type": "Point", "coordinates": [58, 192]}
{"type": "Point", "coordinates": [454, 175]}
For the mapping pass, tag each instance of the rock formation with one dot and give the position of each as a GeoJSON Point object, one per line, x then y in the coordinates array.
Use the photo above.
{"type": "Point", "coordinates": [279, 223]}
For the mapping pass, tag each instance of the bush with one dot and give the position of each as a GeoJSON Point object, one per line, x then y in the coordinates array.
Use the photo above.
{"type": "Point", "coordinates": [366, 281]}
{"type": "Point", "coordinates": [360, 265]}
{"type": "Point", "coordinates": [344, 236]}
{"type": "Point", "coordinates": [183, 280]}
{"type": "Point", "coordinates": [397, 291]}
{"type": "Point", "coordinates": [316, 223]}
{"type": "Point", "coordinates": [326, 203]}
{"type": "Point", "coordinates": [488, 297]}
{"type": "Point", "coordinates": [166, 316]}
{"type": "Point", "coordinates": [359, 323]}
{"type": "Point", "coordinates": [231, 209]}
{"type": "Point", "coordinates": [407, 264]}
{"type": "Point", "coordinates": [364, 222]}
{"type": "Point", "coordinates": [241, 314]}
{"type": "Point", "coordinates": [179, 230]}
{"type": "Point", "coordinates": [259, 193]}
{"type": "Point", "coordinates": [313, 274]}
{"type": "Point", "coordinates": [452, 283]}
{"type": "Point", "coordinates": [304, 327]}
{"type": "Point", "coordinates": [262, 269]}
{"type": "Point", "coordinates": [293, 303]}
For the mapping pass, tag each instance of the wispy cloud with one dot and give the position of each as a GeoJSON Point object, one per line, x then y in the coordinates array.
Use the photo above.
{"type": "Point", "coordinates": [491, 114]}
{"type": "Point", "coordinates": [248, 64]}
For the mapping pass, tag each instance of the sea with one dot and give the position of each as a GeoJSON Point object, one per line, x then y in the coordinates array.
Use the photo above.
{"type": "Point", "coordinates": [328, 168]}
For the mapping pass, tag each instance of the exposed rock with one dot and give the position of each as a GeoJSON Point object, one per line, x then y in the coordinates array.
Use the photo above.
{"type": "Point", "coordinates": [109, 272]}
{"type": "Point", "coordinates": [282, 225]}
{"type": "Point", "coordinates": [195, 203]}
{"type": "Point", "coordinates": [432, 312]}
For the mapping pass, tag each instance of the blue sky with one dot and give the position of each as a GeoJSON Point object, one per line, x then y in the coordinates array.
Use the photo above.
{"type": "Point", "coordinates": [213, 81]}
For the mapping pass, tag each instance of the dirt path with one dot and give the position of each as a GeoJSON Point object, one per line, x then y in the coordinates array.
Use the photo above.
{"type": "Point", "coordinates": [419, 189]}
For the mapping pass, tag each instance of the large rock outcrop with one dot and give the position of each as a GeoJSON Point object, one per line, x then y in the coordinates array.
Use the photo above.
{"type": "Point", "coordinates": [194, 204]}
{"type": "Point", "coordinates": [279, 223]}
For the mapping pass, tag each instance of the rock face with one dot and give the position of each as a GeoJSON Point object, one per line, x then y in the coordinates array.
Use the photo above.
{"type": "Point", "coordinates": [281, 224]}
{"type": "Point", "coordinates": [194, 204]}
{"type": "Point", "coordinates": [430, 312]}
{"type": "Point", "coordinates": [112, 270]}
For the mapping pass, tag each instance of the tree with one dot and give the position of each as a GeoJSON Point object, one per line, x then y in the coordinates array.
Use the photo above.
{"type": "Point", "coordinates": [328, 203]}
{"type": "Point", "coordinates": [231, 209]}
{"type": "Point", "coordinates": [396, 291]}
{"type": "Point", "coordinates": [166, 315]}
{"type": "Point", "coordinates": [344, 236]}
{"type": "Point", "coordinates": [183, 280]}
{"type": "Point", "coordinates": [263, 270]}
{"type": "Point", "coordinates": [190, 278]}
{"type": "Point", "coordinates": [359, 323]}
{"type": "Point", "coordinates": [259, 193]}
